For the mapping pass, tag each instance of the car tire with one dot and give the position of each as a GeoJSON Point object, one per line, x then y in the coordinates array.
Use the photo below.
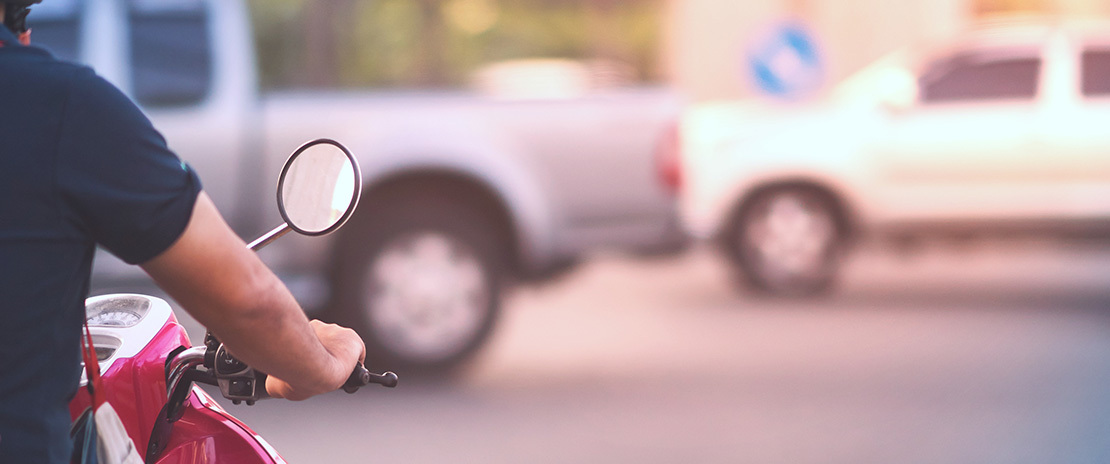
{"type": "Point", "coordinates": [787, 241]}
{"type": "Point", "coordinates": [420, 281]}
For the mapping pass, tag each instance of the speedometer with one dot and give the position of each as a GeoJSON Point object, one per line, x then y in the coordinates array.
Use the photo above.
{"type": "Point", "coordinates": [117, 311]}
{"type": "Point", "coordinates": [115, 318]}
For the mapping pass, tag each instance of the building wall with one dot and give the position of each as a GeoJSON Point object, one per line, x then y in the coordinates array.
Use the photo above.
{"type": "Point", "coordinates": [856, 32]}
{"type": "Point", "coordinates": [707, 40]}
{"type": "Point", "coordinates": [705, 43]}
{"type": "Point", "coordinates": [705, 50]}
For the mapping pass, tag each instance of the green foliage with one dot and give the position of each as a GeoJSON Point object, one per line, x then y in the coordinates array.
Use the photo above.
{"type": "Point", "coordinates": [276, 26]}
{"type": "Point", "coordinates": [439, 43]}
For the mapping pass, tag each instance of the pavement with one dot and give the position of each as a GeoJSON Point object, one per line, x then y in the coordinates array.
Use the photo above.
{"type": "Point", "coordinates": [948, 354]}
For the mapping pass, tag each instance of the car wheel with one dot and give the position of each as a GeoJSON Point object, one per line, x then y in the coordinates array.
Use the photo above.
{"type": "Point", "coordinates": [787, 241]}
{"type": "Point", "coordinates": [421, 285]}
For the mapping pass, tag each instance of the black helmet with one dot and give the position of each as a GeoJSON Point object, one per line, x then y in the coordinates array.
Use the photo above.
{"type": "Point", "coordinates": [15, 14]}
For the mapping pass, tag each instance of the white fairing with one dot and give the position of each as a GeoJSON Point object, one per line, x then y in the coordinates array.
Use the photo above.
{"type": "Point", "coordinates": [135, 320]}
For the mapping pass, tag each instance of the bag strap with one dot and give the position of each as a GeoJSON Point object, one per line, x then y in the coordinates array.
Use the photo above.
{"type": "Point", "coordinates": [92, 370]}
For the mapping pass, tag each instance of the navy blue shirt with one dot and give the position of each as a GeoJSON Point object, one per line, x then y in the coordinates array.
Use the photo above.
{"type": "Point", "coordinates": [80, 165]}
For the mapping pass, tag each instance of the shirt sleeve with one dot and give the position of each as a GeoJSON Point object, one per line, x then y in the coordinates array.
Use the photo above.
{"type": "Point", "coordinates": [122, 185]}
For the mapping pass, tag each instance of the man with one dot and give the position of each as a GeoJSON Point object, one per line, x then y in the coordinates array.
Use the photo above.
{"type": "Point", "coordinates": [80, 165]}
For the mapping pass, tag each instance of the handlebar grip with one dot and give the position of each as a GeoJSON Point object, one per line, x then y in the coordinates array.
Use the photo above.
{"type": "Point", "coordinates": [358, 378]}
{"type": "Point", "coordinates": [260, 379]}
{"type": "Point", "coordinates": [361, 377]}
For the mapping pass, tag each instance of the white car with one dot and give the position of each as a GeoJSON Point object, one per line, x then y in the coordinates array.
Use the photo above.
{"type": "Point", "coordinates": [1006, 129]}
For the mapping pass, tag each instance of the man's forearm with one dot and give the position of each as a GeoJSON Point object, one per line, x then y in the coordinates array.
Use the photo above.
{"type": "Point", "coordinates": [211, 273]}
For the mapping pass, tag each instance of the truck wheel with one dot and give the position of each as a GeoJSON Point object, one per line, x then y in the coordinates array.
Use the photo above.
{"type": "Point", "coordinates": [420, 282]}
{"type": "Point", "coordinates": [787, 241]}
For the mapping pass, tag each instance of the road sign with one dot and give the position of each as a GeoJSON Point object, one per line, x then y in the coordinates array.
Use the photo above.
{"type": "Point", "coordinates": [784, 61]}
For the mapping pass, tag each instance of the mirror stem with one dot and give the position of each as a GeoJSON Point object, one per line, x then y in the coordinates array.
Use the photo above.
{"type": "Point", "coordinates": [270, 236]}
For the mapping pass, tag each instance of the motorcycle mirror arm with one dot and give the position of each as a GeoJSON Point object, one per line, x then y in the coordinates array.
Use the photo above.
{"type": "Point", "coordinates": [269, 237]}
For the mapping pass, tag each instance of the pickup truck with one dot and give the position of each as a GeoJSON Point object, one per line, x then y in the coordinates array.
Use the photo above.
{"type": "Point", "coordinates": [464, 193]}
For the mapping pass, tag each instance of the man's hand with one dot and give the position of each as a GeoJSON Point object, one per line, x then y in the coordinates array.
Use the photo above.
{"type": "Point", "coordinates": [346, 350]}
{"type": "Point", "coordinates": [225, 287]}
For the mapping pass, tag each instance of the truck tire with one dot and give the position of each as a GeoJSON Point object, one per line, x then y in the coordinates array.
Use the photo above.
{"type": "Point", "coordinates": [787, 241]}
{"type": "Point", "coordinates": [420, 281]}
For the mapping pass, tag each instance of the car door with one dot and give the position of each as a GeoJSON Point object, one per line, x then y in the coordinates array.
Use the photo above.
{"type": "Point", "coordinates": [177, 78]}
{"type": "Point", "coordinates": [596, 158]}
{"type": "Point", "coordinates": [966, 149]}
{"type": "Point", "coordinates": [163, 55]}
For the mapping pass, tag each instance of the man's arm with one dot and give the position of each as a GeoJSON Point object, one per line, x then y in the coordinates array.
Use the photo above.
{"type": "Point", "coordinates": [224, 285]}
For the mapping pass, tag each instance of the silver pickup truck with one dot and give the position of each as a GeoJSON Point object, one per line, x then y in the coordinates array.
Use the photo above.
{"type": "Point", "coordinates": [465, 193]}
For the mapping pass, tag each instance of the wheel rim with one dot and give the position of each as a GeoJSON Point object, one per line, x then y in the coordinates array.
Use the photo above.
{"type": "Point", "coordinates": [428, 296]}
{"type": "Point", "coordinates": [791, 237]}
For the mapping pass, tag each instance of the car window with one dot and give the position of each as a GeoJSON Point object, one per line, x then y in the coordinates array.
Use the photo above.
{"type": "Point", "coordinates": [171, 58]}
{"type": "Point", "coordinates": [55, 26]}
{"type": "Point", "coordinates": [978, 77]}
{"type": "Point", "coordinates": [1096, 72]}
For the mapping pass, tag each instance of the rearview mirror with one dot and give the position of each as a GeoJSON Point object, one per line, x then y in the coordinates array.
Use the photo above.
{"type": "Point", "coordinates": [317, 192]}
{"type": "Point", "coordinates": [318, 187]}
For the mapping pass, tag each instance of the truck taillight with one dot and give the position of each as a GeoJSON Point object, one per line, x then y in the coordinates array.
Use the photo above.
{"type": "Point", "coordinates": [668, 158]}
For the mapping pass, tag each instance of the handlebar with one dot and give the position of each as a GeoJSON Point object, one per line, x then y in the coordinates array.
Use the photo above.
{"type": "Point", "coordinates": [239, 382]}
{"type": "Point", "coordinates": [362, 377]}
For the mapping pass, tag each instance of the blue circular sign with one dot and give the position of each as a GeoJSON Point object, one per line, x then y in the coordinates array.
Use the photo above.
{"type": "Point", "coordinates": [785, 62]}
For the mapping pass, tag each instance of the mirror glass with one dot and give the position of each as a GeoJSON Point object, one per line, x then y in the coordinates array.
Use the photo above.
{"type": "Point", "coordinates": [318, 188]}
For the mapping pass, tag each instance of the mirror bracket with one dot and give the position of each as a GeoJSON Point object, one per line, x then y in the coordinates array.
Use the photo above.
{"type": "Point", "coordinates": [269, 237]}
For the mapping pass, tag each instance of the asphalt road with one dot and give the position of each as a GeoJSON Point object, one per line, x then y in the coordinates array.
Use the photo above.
{"type": "Point", "coordinates": [952, 355]}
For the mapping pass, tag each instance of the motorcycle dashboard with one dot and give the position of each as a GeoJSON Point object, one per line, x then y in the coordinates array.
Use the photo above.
{"type": "Point", "coordinates": [118, 311]}
{"type": "Point", "coordinates": [121, 325]}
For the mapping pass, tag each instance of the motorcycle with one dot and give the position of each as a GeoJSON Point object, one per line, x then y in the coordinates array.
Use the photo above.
{"type": "Point", "coordinates": [149, 368]}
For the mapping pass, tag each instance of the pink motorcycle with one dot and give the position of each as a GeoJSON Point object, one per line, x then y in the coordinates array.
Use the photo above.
{"type": "Point", "coordinates": [149, 369]}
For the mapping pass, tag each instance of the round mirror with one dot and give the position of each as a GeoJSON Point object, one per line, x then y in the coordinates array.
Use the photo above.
{"type": "Point", "coordinates": [319, 187]}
